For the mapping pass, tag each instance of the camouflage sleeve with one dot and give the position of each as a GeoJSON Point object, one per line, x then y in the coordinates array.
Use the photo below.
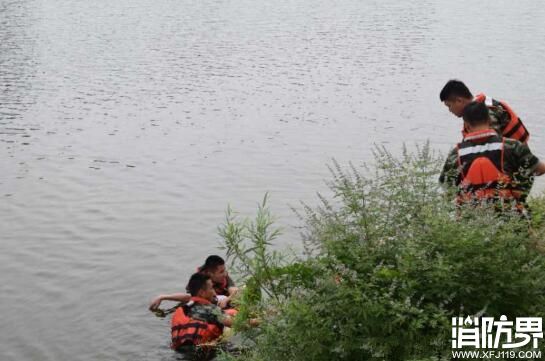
{"type": "Point", "coordinates": [524, 162]}
{"type": "Point", "coordinates": [449, 174]}
{"type": "Point", "coordinates": [208, 313]}
{"type": "Point", "coordinates": [499, 118]}
{"type": "Point", "coordinates": [218, 315]}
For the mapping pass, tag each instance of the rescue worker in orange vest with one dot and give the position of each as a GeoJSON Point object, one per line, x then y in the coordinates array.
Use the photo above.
{"type": "Point", "coordinates": [199, 321]}
{"type": "Point", "coordinates": [486, 166]}
{"type": "Point", "coordinates": [455, 95]}
{"type": "Point", "coordinates": [225, 288]}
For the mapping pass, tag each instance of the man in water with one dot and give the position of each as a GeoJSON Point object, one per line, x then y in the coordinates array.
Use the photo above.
{"type": "Point", "coordinates": [199, 321]}
{"type": "Point", "coordinates": [225, 288]}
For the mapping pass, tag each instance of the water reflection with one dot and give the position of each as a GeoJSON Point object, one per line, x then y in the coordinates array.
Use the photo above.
{"type": "Point", "coordinates": [17, 70]}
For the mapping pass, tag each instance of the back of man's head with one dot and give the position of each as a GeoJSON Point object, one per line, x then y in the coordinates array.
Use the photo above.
{"type": "Point", "coordinates": [454, 88]}
{"type": "Point", "coordinates": [196, 283]}
{"type": "Point", "coordinates": [476, 113]}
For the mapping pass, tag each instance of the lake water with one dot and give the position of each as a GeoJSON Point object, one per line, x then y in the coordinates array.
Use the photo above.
{"type": "Point", "coordinates": [128, 126]}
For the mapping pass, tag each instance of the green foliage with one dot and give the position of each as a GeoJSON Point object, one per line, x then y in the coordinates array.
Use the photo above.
{"type": "Point", "coordinates": [265, 271]}
{"type": "Point", "coordinates": [247, 245]}
{"type": "Point", "coordinates": [389, 260]}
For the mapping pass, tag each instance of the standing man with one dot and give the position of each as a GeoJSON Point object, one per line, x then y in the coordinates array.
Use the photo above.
{"type": "Point", "coordinates": [487, 167]}
{"type": "Point", "coordinates": [455, 95]}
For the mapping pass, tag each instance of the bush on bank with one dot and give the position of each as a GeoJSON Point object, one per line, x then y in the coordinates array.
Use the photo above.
{"type": "Point", "coordinates": [388, 261]}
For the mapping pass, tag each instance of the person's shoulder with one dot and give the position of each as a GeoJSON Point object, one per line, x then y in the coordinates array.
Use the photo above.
{"type": "Point", "coordinates": [497, 105]}
{"type": "Point", "coordinates": [514, 145]}
{"type": "Point", "coordinates": [511, 142]}
{"type": "Point", "coordinates": [209, 308]}
{"type": "Point", "coordinates": [498, 115]}
{"type": "Point", "coordinates": [518, 153]}
{"type": "Point", "coordinates": [215, 312]}
{"type": "Point", "coordinates": [212, 308]}
{"type": "Point", "coordinates": [207, 312]}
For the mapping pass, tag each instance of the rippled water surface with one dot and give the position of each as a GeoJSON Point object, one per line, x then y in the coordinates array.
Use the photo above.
{"type": "Point", "coordinates": [126, 127]}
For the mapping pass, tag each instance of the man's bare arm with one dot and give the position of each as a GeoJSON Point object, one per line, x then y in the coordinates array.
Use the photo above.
{"type": "Point", "coordinates": [232, 291]}
{"type": "Point", "coordinates": [179, 297]}
{"type": "Point", "coordinates": [228, 321]}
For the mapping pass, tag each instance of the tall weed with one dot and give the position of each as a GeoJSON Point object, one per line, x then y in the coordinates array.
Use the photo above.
{"type": "Point", "coordinates": [388, 261]}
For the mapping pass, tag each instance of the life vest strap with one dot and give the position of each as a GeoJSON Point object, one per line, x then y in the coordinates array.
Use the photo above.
{"type": "Point", "coordinates": [187, 339]}
{"type": "Point", "coordinates": [481, 174]}
{"type": "Point", "coordinates": [195, 325]}
{"type": "Point", "coordinates": [492, 186]}
{"type": "Point", "coordinates": [513, 130]}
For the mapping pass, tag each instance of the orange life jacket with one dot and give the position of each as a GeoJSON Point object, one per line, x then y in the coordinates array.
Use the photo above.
{"type": "Point", "coordinates": [189, 331]}
{"type": "Point", "coordinates": [515, 129]}
{"type": "Point", "coordinates": [482, 176]}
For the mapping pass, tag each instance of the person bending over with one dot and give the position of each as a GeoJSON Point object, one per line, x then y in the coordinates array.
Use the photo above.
{"type": "Point", "coordinates": [456, 96]}
{"type": "Point", "coordinates": [487, 167]}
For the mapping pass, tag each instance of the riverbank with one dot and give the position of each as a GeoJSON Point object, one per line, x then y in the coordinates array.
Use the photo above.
{"type": "Point", "coordinates": [389, 261]}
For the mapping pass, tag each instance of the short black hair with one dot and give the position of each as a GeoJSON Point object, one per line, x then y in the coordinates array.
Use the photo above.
{"type": "Point", "coordinates": [476, 113]}
{"type": "Point", "coordinates": [212, 262]}
{"type": "Point", "coordinates": [454, 88]}
{"type": "Point", "coordinates": [196, 283]}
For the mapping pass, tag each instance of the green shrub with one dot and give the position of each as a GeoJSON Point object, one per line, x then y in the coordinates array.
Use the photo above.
{"type": "Point", "coordinates": [388, 261]}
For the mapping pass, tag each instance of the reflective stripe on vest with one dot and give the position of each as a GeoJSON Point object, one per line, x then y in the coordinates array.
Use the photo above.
{"type": "Point", "coordinates": [480, 148]}
{"type": "Point", "coordinates": [482, 175]}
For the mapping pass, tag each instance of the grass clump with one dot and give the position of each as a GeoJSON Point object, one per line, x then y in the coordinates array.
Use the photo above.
{"type": "Point", "coordinates": [388, 260]}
